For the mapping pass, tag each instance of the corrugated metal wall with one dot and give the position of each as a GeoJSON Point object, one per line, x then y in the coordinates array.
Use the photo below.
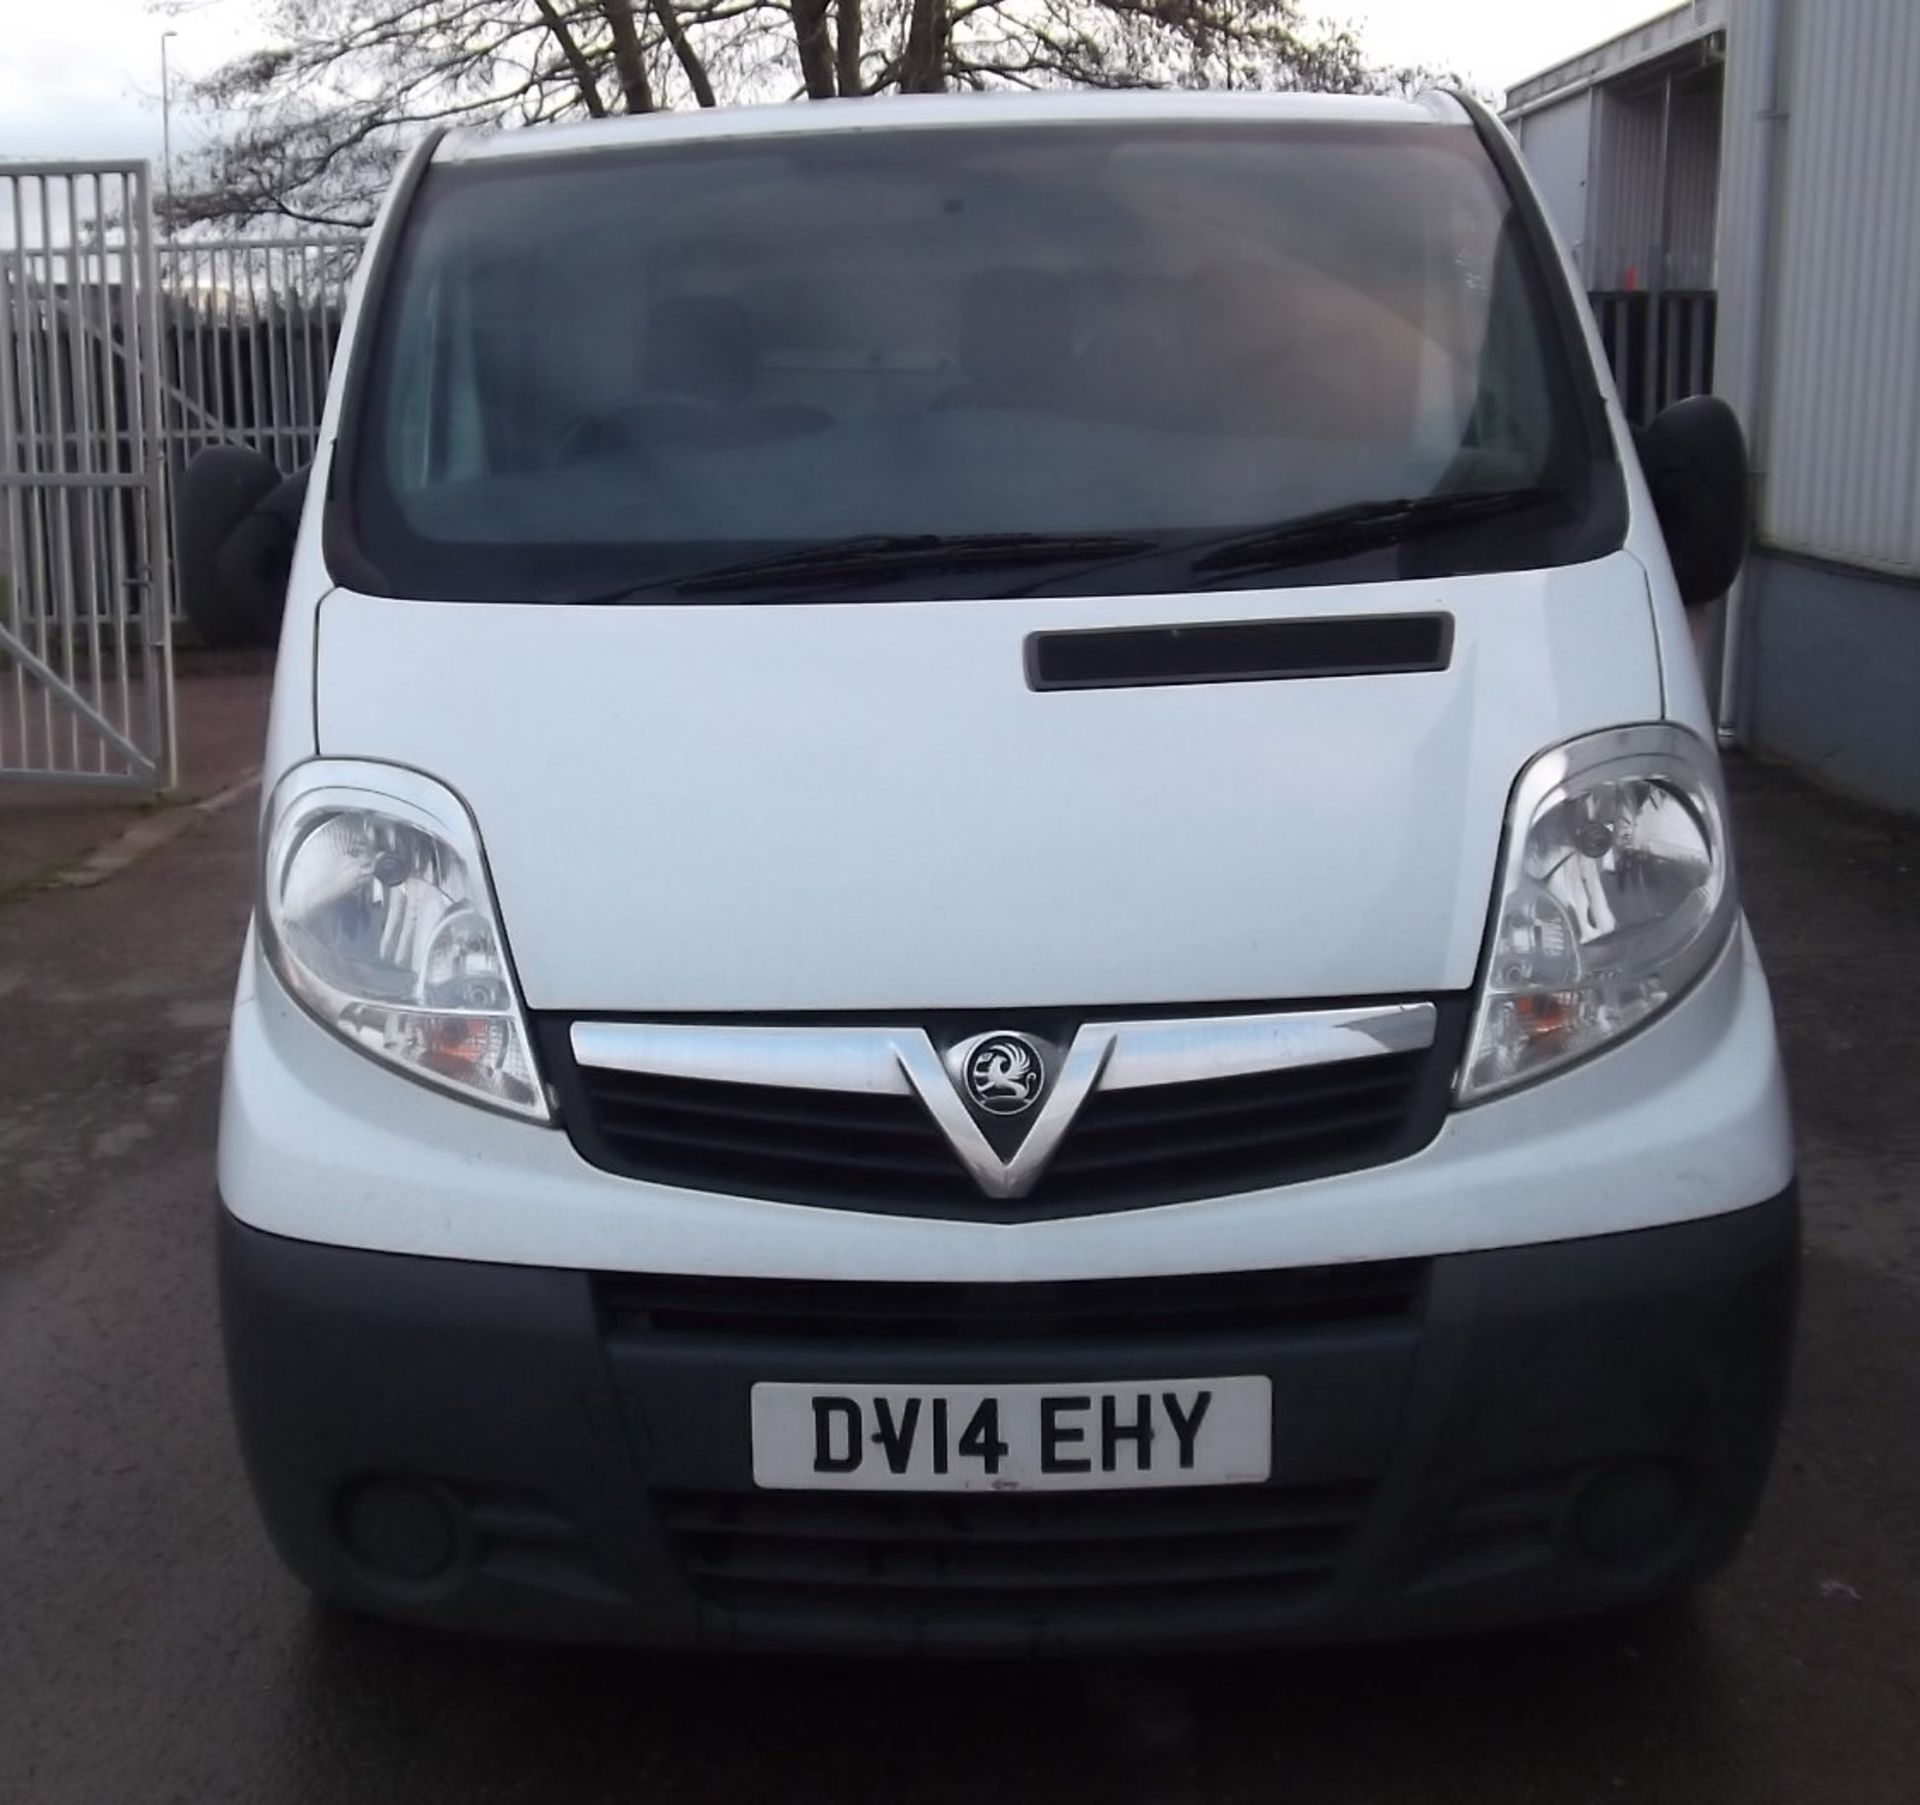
{"type": "Point", "coordinates": [1624, 205]}
{"type": "Point", "coordinates": [1625, 202]}
{"type": "Point", "coordinates": [1837, 411]}
{"type": "Point", "coordinates": [1742, 162]}
{"type": "Point", "coordinates": [1694, 172]}
{"type": "Point", "coordinates": [1818, 347]}
{"type": "Point", "coordinates": [1843, 457]}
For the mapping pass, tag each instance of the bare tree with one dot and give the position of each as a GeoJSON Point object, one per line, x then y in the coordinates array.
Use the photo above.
{"type": "Point", "coordinates": [312, 125]}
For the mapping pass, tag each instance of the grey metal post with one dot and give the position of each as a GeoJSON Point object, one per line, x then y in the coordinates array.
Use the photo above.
{"type": "Point", "coordinates": [1774, 46]}
{"type": "Point", "coordinates": [157, 601]}
{"type": "Point", "coordinates": [166, 126]}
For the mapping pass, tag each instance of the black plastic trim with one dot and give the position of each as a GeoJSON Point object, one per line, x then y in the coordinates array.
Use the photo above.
{"type": "Point", "coordinates": [920, 1313]}
{"type": "Point", "coordinates": [1253, 651]}
{"type": "Point", "coordinates": [589, 1482]}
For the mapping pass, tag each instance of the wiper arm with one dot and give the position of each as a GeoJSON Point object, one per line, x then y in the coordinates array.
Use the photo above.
{"type": "Point", "coordinates": [1360, 527]}
{"type": "Point", "coordinates": [879, 555]}
{"type": "Point", "coordinates": [890, 554]}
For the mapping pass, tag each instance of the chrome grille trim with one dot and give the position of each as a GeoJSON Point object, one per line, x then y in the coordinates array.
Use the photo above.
{"type": "Point", "coordinates": [1103, 1056]}
{"type": "Point", "coordinates": [817, 1059]}
{"type": "Point", "coordinates": [1238, 1046]}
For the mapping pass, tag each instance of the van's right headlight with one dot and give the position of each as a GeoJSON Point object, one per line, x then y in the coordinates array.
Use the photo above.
{"type": "Point", "coordinates": [1616, 892]}
{"type": "Point", "coordinates": [376, 913]}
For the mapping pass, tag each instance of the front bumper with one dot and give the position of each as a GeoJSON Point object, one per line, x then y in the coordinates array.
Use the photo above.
{"type": "Point", "coordinates": [1480, 1438]}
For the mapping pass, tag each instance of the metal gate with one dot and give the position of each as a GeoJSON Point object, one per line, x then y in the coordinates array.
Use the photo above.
{"type": "Point", "coordinates": [86, 671]}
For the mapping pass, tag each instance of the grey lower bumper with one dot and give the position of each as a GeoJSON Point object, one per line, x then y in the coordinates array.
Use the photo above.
{"type": "Point", "coordinates": [1471, 1440]}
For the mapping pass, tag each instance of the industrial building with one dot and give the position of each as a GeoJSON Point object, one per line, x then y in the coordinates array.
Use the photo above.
{"type": "Point", "coordinates": [1738, 184]}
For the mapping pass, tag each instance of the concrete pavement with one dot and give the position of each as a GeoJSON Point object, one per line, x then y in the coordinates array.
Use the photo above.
{"type": "Point", "coordinates": [45, 828]}
{"type": "Point", "coordinates": [151, 1649]}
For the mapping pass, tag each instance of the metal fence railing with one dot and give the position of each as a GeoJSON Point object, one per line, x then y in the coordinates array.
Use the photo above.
{"type": "Point", "coordinates": [248, 329]}
{"type": "Point", "coordinates": [86, 691]}
{"type": "Point", "coordinates": [121, 357]}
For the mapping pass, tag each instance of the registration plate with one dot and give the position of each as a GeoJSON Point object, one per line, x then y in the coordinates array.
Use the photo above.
{"type": "Point", "coordinates": [1140, 1433]}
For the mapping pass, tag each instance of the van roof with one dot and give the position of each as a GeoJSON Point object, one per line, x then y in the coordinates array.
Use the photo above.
{"type": "Point", "coordinates": [920, 111]}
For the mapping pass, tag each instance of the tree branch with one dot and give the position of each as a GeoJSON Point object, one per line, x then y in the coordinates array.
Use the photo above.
{"type": "Point", "coordinates": [310, 126]}
{"type": "Point", "coordinates": [628, 61]}
{"type": "Point", "coordinates": [688, 58]}
{"type": "Point", "coordinates": [815, 47]}
{"type": "Point", "coordinates": [923, 70]}
{"type": "Point", "coordinates": [582, 70]}
{"type": "Point", "coordinates": [846, 47]}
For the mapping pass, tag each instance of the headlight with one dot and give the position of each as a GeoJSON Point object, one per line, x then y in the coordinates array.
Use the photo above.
{"type": "Point", "coordinates": [377, 915]}
{"type": "Point", "coordinates": [1616, 892]}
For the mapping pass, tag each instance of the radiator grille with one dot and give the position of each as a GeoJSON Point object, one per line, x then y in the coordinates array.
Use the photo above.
{"type": "Point", "coordinates": [1127, 1149]}
{"type": "Point", "coordinates": [907, 1315]}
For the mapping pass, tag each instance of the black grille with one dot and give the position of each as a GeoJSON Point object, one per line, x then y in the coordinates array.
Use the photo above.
{"type": "Point", "coordinates": [941, 1313]}
{"type": "Point", "coordinates": [1127, 1149]}
{"type": "Point", "coordinates": [966, 1557]}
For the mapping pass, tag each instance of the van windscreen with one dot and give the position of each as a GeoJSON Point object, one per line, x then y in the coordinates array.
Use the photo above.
{"type": "Point", "coordinates": [976, 361]}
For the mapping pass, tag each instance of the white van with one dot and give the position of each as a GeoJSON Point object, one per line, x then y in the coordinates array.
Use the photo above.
{"type": "Point", "coordinates": [995, 906]}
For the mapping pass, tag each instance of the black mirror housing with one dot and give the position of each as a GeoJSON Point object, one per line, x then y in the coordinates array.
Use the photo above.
{"type": "Point", "coordinates": [234, 524]}
{"type": "Point", "coordinates": [1695, 459]}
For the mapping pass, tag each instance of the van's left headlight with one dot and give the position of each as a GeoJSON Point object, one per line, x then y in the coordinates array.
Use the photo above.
{"type": "Point", "coordinates": [1616, 892]}
{"type": "Point", "coordinates": [376, 913]}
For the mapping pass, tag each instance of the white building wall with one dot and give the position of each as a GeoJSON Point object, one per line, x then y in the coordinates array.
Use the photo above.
{"type": "Point", "coordinates": [1837, 407]}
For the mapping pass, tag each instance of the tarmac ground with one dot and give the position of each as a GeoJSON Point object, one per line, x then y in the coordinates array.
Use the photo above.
{"type": "Point", "coordinates": [152, 1649]}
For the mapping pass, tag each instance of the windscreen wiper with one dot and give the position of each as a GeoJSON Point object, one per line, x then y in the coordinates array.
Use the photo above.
{"type": "Point", "coordinates": [879, 555]}
{"type": "Point", "coordinates": [1362, 526]}
{"type": "Point", "coordinates": [904, 554]}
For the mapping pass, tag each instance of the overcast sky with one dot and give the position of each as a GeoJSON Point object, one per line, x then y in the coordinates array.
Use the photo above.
{"type": "Point", "coordinates": [82, 77]}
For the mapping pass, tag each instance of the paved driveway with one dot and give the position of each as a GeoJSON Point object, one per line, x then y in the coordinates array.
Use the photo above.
{"type": "Point", "coordinates": [150, 1649]}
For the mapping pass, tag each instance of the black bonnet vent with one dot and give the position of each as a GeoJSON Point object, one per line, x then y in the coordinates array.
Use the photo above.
{"type": "Point", "coordinates": [1254, 651]}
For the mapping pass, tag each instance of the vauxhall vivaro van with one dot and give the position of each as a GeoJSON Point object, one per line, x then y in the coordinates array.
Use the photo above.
{"type": "Point", "coordinates": [995, 907]}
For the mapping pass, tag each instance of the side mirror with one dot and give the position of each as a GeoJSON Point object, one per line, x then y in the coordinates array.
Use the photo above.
{"type": "Point", "coordinates": [234, 523]}
{"type": "Point", "coordinates": [1695, 458]}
